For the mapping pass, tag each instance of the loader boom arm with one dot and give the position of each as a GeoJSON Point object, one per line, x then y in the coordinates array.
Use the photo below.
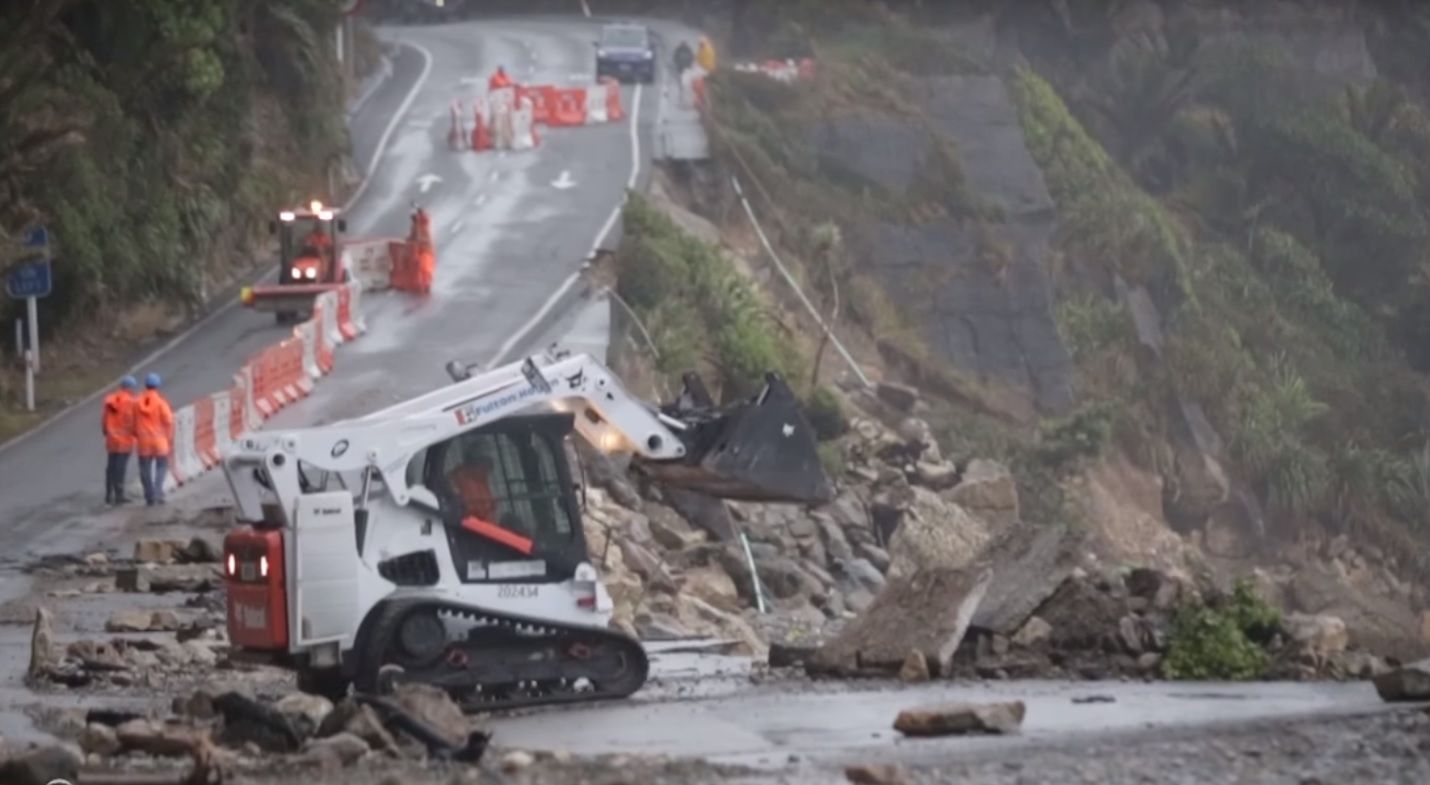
{"type": "Point", "coordinates": [605, 414]}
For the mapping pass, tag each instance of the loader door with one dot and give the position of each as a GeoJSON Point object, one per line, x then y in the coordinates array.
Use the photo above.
{"type": "Point", "coordinates": [508, 501]}
{"type": "Point", "coordinates": [325, 570]}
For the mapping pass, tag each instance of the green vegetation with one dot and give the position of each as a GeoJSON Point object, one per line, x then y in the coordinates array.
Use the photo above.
{"type": "Point", "coordinates": [1281, 232]}
{"type": "Point", "coordinates": [1224, 640]}
{"type": "Point", "coordinates": [700, 311]}
{"type": "Point", "coordinates": [153, 137]}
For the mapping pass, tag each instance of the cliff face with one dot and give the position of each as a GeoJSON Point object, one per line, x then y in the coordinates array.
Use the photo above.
{"type": "Point", "coordinates": [1175, 243]}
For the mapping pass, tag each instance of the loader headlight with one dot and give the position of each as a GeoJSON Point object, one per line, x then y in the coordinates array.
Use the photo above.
{"type": "Point", "coordinates": [311, 273]}
{"type": "Point", "coordinates": [263, 566]}
{"type": "Point", "coordinates": [232, 565]}
{"type": "Point", "coordinates": [296, 273]}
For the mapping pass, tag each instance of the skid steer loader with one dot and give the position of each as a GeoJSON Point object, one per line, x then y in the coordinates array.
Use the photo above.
{"type": "Point", "coordinates": [440, 540]}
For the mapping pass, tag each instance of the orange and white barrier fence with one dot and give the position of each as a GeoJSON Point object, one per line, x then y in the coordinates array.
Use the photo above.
{"type": "Point", "coordinates": [275, 377]}
{"type": "Point", "coordinates": [507, 118]}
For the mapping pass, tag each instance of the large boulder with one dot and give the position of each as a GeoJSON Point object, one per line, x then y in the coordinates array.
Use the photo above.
{"type": "Point", "coordinates": [41, 766]}
{"type": "Point", "coordinates": [1322, 635]}
{"type": "Point", "coordinates": [1030, 564]}
{"type": "Point", "coordinates": [43, 657]}
{"type": "Point", "coordinates": [934, 535]}
{"type": "Point", "coordinates": [713, 585]}
{"type": "Point", "coordinates": [988, 491]}
{"type": "Point", "coordinates": [706, 512]}
{"type": "Point", "coordinates": [961, 718]}
{"type": "Point", "coordinates": [435, 707]}
{"type": "Point", "coordinates": [1408, 683]}
{"type": "Point", "coordinates": [705, 619]}
{"type": "Point", "coordinates": [671, 531]}
{"type": "Point", "coordinates": [927, 612]}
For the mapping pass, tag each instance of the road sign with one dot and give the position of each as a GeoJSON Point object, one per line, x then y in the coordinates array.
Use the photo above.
{"type": "Point", "coordinates": [39, 237]}
{"type": "Point", "coordinates": [30, 278]}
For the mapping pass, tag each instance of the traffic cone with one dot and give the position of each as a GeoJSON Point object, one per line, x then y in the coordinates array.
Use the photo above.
{"type": "Point", "coordinates": [481, 135]}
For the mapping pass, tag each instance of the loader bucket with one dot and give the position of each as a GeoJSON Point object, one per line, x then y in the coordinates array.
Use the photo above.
{"type": "Point", "coordinates": [761, 450]}
{"type": "Point", "coordinates": [287, 298]}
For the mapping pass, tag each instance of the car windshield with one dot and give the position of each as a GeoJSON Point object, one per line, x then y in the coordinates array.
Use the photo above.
{"type": "Point", "coordinates": [623, 37]}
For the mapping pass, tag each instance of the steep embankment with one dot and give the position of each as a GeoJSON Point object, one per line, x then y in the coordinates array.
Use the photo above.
{"type": "Point", "coordinates": [1162, 262]}
{"type": "Point", "coordinates": [154, 140]}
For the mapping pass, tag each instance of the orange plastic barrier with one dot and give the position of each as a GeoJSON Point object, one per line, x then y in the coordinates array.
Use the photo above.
{"type": "Point", "coordinates": [481, 134]}
{"type": "Point", "coordinates": [322, 349]}
{"type": "Point", "coordinates": [570, 107]}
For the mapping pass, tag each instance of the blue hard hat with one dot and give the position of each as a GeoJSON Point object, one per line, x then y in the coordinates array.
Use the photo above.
{"type": "Point", "coordinates": [152, 381]}
{"type": "Point", "coordinates": [128, 383]}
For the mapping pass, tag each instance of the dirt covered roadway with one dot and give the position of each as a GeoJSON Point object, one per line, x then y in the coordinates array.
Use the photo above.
{"type": "Point", "coordinates": [156, 642]}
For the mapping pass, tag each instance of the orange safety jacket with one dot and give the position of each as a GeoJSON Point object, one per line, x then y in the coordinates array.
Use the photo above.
{"type": "Point", "coordinates": [118, 421]}
{"type": "Point", "coordinates": [475, 490]}
{"type": "Point", "coordinates": [499, 80]}
{"type": "Point", "coordinates": [154, 425]}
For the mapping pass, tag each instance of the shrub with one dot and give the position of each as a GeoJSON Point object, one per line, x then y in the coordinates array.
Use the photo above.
{"type": "Point", "coordinates": [1208, 644]}
{"type": "Point", "coordinates": [1082, 434]}
{"type": "Point", "coordinates": [1224, 640]}
{"type": "Point", "coordinates": [826, 415]}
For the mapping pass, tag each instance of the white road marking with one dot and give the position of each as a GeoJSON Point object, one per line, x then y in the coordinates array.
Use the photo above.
{"type": "Point", "coordinates": [481, 199]}
{"type": "Point", "coordinates": [426, 181]}
{"type": "Point", "coordinates": [615, 215]}
{"type": "Point", "coordinates": [155, 355]}
{"type": "Point", "coordinates": [564, 181]}
{"type": "Point", "coordinates": [495, 175]}
{"type": "Point", "coordinates": [586, 9]}
{"type": "Point", "coordinates": [457, 227]}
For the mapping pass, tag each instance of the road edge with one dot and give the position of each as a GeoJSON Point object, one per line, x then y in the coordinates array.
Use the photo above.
{"type": "Point", "coordinates": [174, 342]}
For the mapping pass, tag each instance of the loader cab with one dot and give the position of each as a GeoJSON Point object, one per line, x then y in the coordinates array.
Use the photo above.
{"type": "Point", "coordinates": [508, 502]}
{"type": "Point", "coordinates": [308, 244]}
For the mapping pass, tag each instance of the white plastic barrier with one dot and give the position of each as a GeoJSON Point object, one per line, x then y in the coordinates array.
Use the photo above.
{"type": "Point", "coordinates": [368, 261]}
{"type": "Point", "coordinates": [596, 99]}
{"type": "Point", "coordinates": [223, 437]}
{"type": "Point", "coordinates": [184, 461]}
{"type": "Point", "coordinates": [523, 127]}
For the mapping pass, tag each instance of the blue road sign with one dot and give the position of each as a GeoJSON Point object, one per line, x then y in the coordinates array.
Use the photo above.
{"type": "Point", "coordinates": [39, 237]}
{"type": "Point", "coordinates": [29, 279]}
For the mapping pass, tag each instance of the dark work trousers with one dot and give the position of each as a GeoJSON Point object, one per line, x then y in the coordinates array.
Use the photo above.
{"type": "Point", "coordinates": [114, 471]}
{"type": "Point", "coordinates": [151, 475]}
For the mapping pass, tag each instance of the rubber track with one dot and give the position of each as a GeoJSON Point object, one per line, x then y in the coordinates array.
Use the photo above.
{"type": "Point", "coordinates": [384, 628]}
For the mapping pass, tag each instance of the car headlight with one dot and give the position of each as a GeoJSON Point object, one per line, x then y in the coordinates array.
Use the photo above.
{"type": "Point", "coordinates": [648, 55]}
{"type": "Point", "coordinates": [600, 53]}
{"type": "Point", "coordinates": [296, 272]}
{"type": "Point", "coordinates": [311, 273]}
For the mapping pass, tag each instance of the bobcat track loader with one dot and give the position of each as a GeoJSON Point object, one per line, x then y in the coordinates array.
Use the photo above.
{"type": "Point", "coordinates": [440, 540]}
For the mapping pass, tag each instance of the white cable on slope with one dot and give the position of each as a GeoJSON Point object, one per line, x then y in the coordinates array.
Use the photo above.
{"type": "Point", "coordinates": [769, 249]}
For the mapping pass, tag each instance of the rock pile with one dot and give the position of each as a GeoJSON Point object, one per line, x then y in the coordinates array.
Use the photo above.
{"type": "Point", "coordinates": [676, 564]}
{"type": "Point", "coordinates": [297, 731]}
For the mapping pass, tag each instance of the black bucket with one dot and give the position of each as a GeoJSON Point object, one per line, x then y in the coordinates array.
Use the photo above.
{"type": "Point", "coordinates": [762, 450]}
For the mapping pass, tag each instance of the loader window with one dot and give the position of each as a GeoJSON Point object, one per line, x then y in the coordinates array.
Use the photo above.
{"type": "Point", "coordinates": [511, 479]}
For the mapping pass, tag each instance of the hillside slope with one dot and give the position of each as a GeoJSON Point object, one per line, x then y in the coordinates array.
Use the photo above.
{"type": "Point", "coordinates": [1165, 261]}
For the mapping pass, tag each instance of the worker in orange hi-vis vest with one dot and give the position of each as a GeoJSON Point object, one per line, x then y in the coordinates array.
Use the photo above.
{"type": "Point", "coordinates": [499, 80]}
{"type": "Point", "coordinates": [424, 254]}
{"type": "Point", "coordinates": [119, 438]}
{"type": "Point", "coordinates": [154, 429]}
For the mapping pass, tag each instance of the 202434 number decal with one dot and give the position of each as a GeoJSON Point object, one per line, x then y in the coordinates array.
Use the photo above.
{"type": "Point", "coordinates": [518, 591]}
